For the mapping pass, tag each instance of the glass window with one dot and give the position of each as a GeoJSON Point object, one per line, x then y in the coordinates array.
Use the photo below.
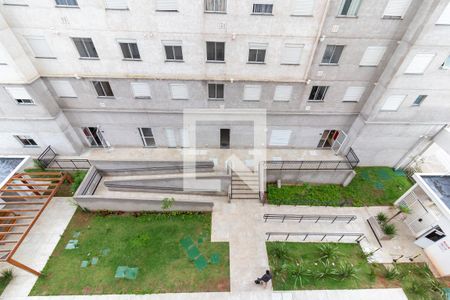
{"type": "Point", "coordinates": [103, 88]}
{"type": "Point", "coordinates": [332, 54]}
{"type": "Point", "coordinates": [147, 137]}
{"type": "Point", "coordinates": [215, 51]}
{"type": "Point", "coordinates": [215, 91]}
{"type": "Point", "coordinates": [26, 141]}
{"type": "Point", "coordinates": [263, 9]}
{"type": "Point", "coordinates": [216, 6]}
{"type": "Point", "coordinates": [419, 100]}
{"type": "Point", "coordinates": [318, 93]}
{"type": "Point", "coordinates": [174, 52]}
{"type": "Point", "coordinates": [67, 2]}
{"type": "Point", "coordinates": [130, 51]}
{"type": "Point", "coordinates": [85, 47]}
{"type": "Point", "coordinates": [349, 8]}
{"type": "Point", "coordinates": [257, 55]}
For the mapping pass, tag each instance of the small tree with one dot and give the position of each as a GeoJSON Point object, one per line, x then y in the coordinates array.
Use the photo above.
{"type": "Point", "coordinates": [402, 209]}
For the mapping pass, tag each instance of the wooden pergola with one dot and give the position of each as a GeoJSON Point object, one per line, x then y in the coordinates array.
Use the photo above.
{"type": "Point", "coordinates": [25, 197]}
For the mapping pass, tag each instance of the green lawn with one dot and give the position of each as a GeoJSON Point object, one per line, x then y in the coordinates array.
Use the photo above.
{"type": "Point", "coordinates": [150, 242]}
{"type": "Point", "coordinates": [371, 186]}
{"type": "Point", "coordinates": [297, 266]}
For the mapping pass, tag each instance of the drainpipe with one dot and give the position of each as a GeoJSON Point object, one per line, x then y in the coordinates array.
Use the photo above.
{"type": "Point", "coordinates": [404, 160]}
{"type": "Point", "coordinates": [317, 40]}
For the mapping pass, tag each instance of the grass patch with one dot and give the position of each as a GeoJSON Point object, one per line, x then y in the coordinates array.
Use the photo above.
{"type": "Point", "coordinates": [150, 242]}
{"type": "Point", "coordinates": [371, 186]}
{"type": "Point", "coordinates": [307, 266]}
{"type": "Point", "coordinates": [5, 278]}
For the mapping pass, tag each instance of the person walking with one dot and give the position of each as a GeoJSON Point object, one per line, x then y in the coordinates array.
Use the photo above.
{"type": "Point", "coordinates": [264, 279]}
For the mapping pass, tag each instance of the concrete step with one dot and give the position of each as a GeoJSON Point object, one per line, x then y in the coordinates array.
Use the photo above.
{"type": "Point", "coordinates": [243, 197]}
{"type": "Point", "coordinates": [250, 180]}
{"type": "Point", "coordinates": [244, 192]}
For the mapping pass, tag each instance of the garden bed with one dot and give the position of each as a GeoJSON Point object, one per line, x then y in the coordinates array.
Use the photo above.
{"type": "Point", "coordinates": [298, 266]}
{"type": "Point", "coordinates": [66, 189]}
{"type": "Point", "coordinates": [149, 242]}
{"type": "Point", "coordinates": [372, 186]}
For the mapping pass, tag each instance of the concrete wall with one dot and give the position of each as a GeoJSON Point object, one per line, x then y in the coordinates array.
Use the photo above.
{"type": "Point", "coordinates": [303, 176]}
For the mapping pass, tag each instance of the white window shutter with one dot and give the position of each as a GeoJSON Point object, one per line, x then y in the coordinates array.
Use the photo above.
{"type": "Point", "coordinates": [444, 19]}
{"type": "Point", "coordinates": [280, 137]}
{"type": "Point", "coordinates": [15, 2]}
{"type": "Point", "coordinates": [252, 92]}
{"type": "Point", "coordinates": [179, 91]}
{"type": "Point", "coordinates": [396, 8]}
{"type": "Point", "coordinates": [353, 93]}
{"type": "Point", "coordinates": [141, 90]}
{"type": "Point", "coordinates": [39, 46]}
{"type": "Point", "coordinates": [291, 54]}
{"type": "Point", "coordinates": [393, 102]}
{"type": "Point", "coordinates": [258, 46]}
{"type": "Point", "coordinates": [419, 63]}
{"type": "Point", "coordinates": [167, 5]}
{"type": "Point", "coordinates": [302, 7]}
{"type": "Point", "coordinates": [283, 93]}
{"type": "Point", "coordinates": [63, 89]}
{"type": "Point", "coordinates": [116, 4]}
{"type": "Point", "coordinates": [18, 92]}
{"type": "Point", "coordinates": [372, 56]}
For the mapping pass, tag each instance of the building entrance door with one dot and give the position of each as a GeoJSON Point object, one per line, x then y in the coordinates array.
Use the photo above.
{"type": "Point", "coordinates": [225, 138]}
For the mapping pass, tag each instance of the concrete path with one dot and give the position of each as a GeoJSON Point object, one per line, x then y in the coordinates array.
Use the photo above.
{"type": "Point", "coordinates": [372, 294]}
{"type": "Point", "coordinates": [39, 245]}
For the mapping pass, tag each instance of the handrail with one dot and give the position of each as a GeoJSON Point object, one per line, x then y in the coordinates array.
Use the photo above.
{"type": "Point", "coordinates": [315, 218]}
{"type": "Point", "coordinates": [73, 162]}
{"type": "Point", "coordinates": [341, 235]}
{"type": "Point", "coordinates": [46, 161]}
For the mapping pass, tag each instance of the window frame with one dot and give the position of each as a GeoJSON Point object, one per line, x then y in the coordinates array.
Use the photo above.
{"type": "Point", "coordinates": [215, 60]}
{"type": "Point", "coordinates": [216, 11]}
{"type": "Point", "coordinates": [67, 5]}
{"type": "Point", "coordinates": [263, 5]}
{"type": "Point", "coordinates": [445, 66]}
{"type": "Point", "coordinates": [101, 83]}
{"type": "Point", "coordinates": [129, 48]}
{"type": "Point", "coordinates": [172, 48]}
{"type": "Point", "coordinates": [216, 92]}
{"type": "Point", "coordinates": [419, 100]}
{"type": "Point", "coordinates": [144, 137]}
{"type": "Point", "coordinates": [25, 141]}
{"type": "Point", "coordinates": [256, 61]}
{"type": "Point", "coordinates": [341, 7]}
{"type": "Point", "coordinates": [332, 56]}
{"type": "Point", "coordinates": [83, 40]}
{"type": "Point", "coordinates": [317, 92]}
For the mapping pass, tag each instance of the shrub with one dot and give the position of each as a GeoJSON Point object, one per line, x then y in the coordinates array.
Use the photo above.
{"type": "Point", "coordinates": [345, 271]}
{"type": "Point", "coordinates": [417, 289]}
{"type": "Point", "coordinates": [280, 251]}
{"type": "Point", "coordinates": [78, 177]}
{"type": "Point", "coordinates": [325, 270]}
{"type": "Point", "coordinates": [328, 252]}
{"type": "Point", "coordinates": [301, 274]}
{"type": "Point", "coordinates": [167, 203]}
{"type": "Point", "coordinates": [7, 275]}
{"type": "Point", "coordinates": [389, 229]}
{"type": "Point", "coordinates": [392, 273]}
{"type": "Point", "coordinates": [381, 218]}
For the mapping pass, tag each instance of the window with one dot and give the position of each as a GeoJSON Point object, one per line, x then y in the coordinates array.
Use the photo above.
{"type": "Point", "coordinates": [166, 5]}
{"type": "Point", "coordinates": [174, 51]}
{"type": "Point", "coordinates": [85, 47]}
{"type": "Point", "coordinates": [262, 9]}
{"type": "Point", "coordinates": [141, 90]}
{"type": "Point", "coordinates": [103, 89]}
{"type": "Point", "coordinates": [216, 6]}
{"type": "Point", "coordinates": [332, 54]}
{"type": "Point", "coordinates": [20, 94]}
{"type": "Point", "coordinates": [393, 102]}
{"type": "Point", "coordinates": [116, 4]}
{"type": "Point", "coordinates": [446, 64]}
{"type": "Point", "coordinates": [419, 63]}
{"type": "Point", "coordinates": [39, 47]}
{"type": "Point", "coordinates": [349, 8]}
{"type": "Point", "coordinates": [396, 9]}
{"type": "Point", "coordinates": [15, 2]}
{"type": "Point", "coordinates": [179, 91]}
{"type": "Point", "coordinates": [282, 93]}
{"type": "Point", "coordinates": [257, 53]}
{"type": "Point", "coordinates": [444, 19]}
{"type": "Point", "coordinates": [303, 7]}
{"type": "Point", "coordinates": [63, 89]}
{"type": "Point", "coordinates": [252, 92]}
{"type": "Point", "coordinates": [129, 49]}
{"type": "Point", "coordinates": [26, 141]}
{"type": "Point", "coordinates": [372, 56]}
{"type": "Point", "coordinates": [353, 94]}
{"type": "Point", "coordinates": [215, 91]}
{"type": "Point", "coordinates": [318, 93]}
{"type": "Point", "coordinates": [94, 137]}
{"type": "Point", "coordinates": [215, 51]}
{"type": "Point", "coordinates": [67, 3]}
{"type": "Point", "coordinates": [280, 137]}
{"type": "Point", "coordinates": [419, 100]}
{"type": "Point", "coordinates": [291, 54]}
{"type": "Point", "coordinates": [147, 137]}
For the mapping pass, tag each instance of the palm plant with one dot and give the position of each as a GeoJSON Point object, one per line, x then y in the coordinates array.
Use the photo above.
{"type": "Point", "coordinates": [7, 275]}
{"type": "Point", "coordinates": [392, 273]}
{"type": "Point", "coordinates": [389, 229]}
{"type": "Point", "coordinates": [327, 269]}
{"type": "Point", "coordinates": [300, 273]}
{"type": "Point", "coordinates": [381, 218]}
{"type": "Point", "coordinates": [417, 289]}
{"type": "Point", "coordinates": [345, 271]}
{"type": "Point", "coordinates": [280, 251]}
{"type": "Point", "coordinates": [328, 252]}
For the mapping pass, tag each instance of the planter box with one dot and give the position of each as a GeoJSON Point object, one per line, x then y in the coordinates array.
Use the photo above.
{"type": "Point", "coordinates": [377, 230]}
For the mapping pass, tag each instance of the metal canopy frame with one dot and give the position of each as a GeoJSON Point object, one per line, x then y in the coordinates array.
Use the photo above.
{"type": "Point", "coordinates": [26, 196]}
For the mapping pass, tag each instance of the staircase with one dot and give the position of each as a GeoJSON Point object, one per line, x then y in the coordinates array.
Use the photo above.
{"type": "Point", "coordinates": [244, 186]}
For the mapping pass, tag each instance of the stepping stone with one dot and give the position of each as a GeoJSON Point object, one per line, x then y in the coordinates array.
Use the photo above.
{"type": "Point", "coordinates": [72, 244]}
{"type": "Point", "coordinates": [187, 243]}
{"type": "Point", "coordinates": [201, 263]}
{"type": "Point", "coordinates": [84, 264]}
{"type": "Point", "coordinates": [106, 251]}
{"type": "Point", "coordinates": [94, 261]}
{"type": "Point", "coordinates": [131, 273]}
{"type": "Point", "coordinates": [193, 253]}
{"type": "Point", "coordinates": [121, 272]}
{"type": "Point", "coordinates": [76, 234]}
{"type": "Point", "coordinates": [215, 258]}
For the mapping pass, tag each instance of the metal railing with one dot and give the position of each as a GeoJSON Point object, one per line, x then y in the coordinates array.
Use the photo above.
{"type": "Point", "coordinates": [303, 236]}
{"type": "Point", "coordinates": [314, 218]}
{"type": "Point", "coordinates": [47, 156]}
{"type": "Point", "coordinates": [48, 160]}
{"type": "Point", "coordinates": [352, 158]}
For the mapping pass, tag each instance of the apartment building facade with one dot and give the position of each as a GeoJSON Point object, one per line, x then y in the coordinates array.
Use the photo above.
{"type": "Point", "coordinates": [76, 74]}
